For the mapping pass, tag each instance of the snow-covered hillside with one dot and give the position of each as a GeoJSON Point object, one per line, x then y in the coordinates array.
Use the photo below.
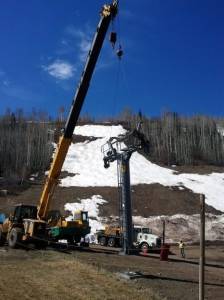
{"type": "Point", "coordinates": [85, 161]}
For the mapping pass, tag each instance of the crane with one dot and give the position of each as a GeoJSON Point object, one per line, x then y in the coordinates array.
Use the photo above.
{"type": "Point", "coordinates": [108, 12]}
{"type": "Point", "coordinates": [31, 222]}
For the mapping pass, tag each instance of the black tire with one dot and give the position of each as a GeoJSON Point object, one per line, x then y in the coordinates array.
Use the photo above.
{"type": "Point", "coordinates": [15, 237]}
{"type": "Point", "coordinates": [144, 247]}
{"type": "Point", "coordinates": [102, 241]}
{"type": "Point", "coordinates": [2, 237]}
{"type": "Point", "coordinates": [111, 242]}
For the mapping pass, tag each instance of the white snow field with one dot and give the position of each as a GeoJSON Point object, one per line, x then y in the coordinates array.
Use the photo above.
{"type": "Point", "coordinates": [85, 161]}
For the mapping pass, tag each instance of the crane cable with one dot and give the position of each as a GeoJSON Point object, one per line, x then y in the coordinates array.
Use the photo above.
{"type": "Point", "coordinates": [117, 74]}
{"type": "Point", "coordinates": [120, 78]}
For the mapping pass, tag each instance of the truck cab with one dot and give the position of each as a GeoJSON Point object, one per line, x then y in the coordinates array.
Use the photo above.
{"type": "Point", "coordinates": [23, 212]}
{"type": "Point", "coordinates": [145, 239]}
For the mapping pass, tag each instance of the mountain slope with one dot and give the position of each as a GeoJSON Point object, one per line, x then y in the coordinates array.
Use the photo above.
{"type": "Point", "coordinates": [84, 163]}
{"type": "Point", "coordinates": [158, 193]}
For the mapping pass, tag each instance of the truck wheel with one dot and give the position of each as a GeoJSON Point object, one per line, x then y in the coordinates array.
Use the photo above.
{"type": "Point", "coordinates": [2, 237]}
{"type": "Point", "coordinates": [111, 242]}
{"type": "Point", "coordinates": [15, 237]}
{"type": "Point", "coordinates": [102, 241]}
{"type": "Point", "coordinates": [144, 247]}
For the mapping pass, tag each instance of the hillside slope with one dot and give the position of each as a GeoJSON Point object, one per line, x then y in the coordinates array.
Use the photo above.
{"type": "Point", "coordinates": [156, 191]}
{"type": "Point", "coordinates": [84, 163]}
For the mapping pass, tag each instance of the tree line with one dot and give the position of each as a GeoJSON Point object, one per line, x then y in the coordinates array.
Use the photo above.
{"type": "Point", "coordinates": [26, 142]}
{"type": "Point", "coordinates": [179, 140]}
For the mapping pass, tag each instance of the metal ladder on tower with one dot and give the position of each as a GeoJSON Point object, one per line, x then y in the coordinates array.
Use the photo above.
{"type": "Point", "coordinates": [119, 182]}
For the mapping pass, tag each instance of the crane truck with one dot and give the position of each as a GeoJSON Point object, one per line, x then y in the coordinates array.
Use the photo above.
{"type": "Point", "coordinates": [32, 223]}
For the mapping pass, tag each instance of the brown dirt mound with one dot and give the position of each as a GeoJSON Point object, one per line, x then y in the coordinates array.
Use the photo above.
{"type": "Point", "coordinates": [148, 200]}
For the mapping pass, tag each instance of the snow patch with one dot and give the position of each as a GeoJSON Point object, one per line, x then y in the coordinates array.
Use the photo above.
{"type": "Point", "coordinates": [100, 131]}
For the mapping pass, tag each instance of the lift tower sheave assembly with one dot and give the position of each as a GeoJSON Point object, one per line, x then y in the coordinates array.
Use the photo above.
{"type": "Point", "coordinates": [115, 149]}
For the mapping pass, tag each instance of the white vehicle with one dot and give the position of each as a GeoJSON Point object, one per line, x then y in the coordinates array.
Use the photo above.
{"type": "Point", "coordinates": [145, 239]}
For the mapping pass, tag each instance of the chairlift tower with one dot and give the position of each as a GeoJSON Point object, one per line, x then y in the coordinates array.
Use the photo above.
{"type": "Point", "coordinates": [120, 149]}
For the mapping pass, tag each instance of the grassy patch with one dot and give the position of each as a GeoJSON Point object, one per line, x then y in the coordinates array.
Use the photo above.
{"type": "Point", "coordinates": [51, 275]}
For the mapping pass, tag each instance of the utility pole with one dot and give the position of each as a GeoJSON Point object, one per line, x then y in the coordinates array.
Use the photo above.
{"type": "Point", "coordinates": [202, 247]}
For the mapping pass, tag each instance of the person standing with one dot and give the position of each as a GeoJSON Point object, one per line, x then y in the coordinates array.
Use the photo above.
{"type": "Point", "coordinates": [182, 248]}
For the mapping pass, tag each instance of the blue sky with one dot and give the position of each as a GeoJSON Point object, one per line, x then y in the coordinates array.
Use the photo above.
{"type": "Point", "coordinates": [173, 56]}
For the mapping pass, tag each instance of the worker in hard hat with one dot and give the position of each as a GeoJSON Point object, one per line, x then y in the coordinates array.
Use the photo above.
{"type": "Point", "coordinates": [182, 248]}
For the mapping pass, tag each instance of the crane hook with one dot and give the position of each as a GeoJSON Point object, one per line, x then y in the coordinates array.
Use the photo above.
{"type": "Point", "coordinates": [119, 52]}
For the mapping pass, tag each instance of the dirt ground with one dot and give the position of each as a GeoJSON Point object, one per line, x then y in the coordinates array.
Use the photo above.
{"type": "Point", "coordinates": [173, 279]}
{"type": "Point", "coordinates": [148, 200]}
{"type": "Point", "coordinates": [51, 275]}
{"type": "Point", "coordinates": [93, 274]}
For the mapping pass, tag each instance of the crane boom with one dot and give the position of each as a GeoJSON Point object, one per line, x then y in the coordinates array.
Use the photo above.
{"type": "Point", "coordinates": [107, 14]}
